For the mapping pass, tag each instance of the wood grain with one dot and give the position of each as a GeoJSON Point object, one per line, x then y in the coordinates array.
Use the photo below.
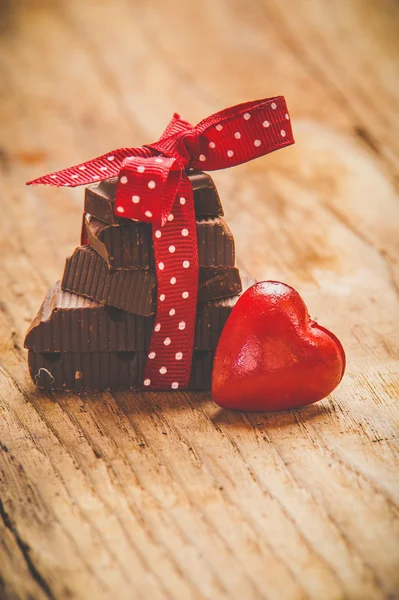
{"type": "Point", "coordinates": [166, 496]}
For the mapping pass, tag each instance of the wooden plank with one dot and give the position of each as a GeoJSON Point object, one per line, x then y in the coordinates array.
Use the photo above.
{"type": "Point", "coordinates": [166, 496]}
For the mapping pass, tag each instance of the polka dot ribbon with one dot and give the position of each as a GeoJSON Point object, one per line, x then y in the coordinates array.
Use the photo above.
{"type": "Point", "coordinates": [153, 187]}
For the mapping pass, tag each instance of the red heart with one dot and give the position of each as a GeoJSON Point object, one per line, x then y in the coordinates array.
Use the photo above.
{"type": "Point", "coordinates": [272, 356]}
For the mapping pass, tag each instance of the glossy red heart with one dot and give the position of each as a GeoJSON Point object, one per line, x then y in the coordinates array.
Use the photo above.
{"type": "Point", "coordinates": [272, 356]}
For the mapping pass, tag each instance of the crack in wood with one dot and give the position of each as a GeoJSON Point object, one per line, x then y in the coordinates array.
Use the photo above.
{"type": "Point", "coordinates": [25, 550]}
{"type": "Point", "coordinates": [366, 136]}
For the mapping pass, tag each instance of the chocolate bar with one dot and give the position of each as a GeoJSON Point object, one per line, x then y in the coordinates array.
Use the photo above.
{"type": "Point", "coordinates": [134, 290]}
{"type": "Point", "coordinates": [70, 323]}
{"type": "Point", "coordinates": [211, 318]}
{"type": "Point", "coordinates": [99, 198]}
{"type": "Point", "coordinates": [67, 322]}
{"type": "Point", "coordinates": [99, 371]}
{"type": "Point", "coordinates": [215, 243]}
{"type": "Point", "coordinates": [129, 245]}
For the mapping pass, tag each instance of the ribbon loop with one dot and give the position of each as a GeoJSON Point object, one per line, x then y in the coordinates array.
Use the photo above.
{"type": "Point", "coordinates": [175, 125]}
{"type": "Point", "coordinates": [147, 188]}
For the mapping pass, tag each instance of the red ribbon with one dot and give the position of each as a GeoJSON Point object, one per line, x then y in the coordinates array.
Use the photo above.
{"type": "Point", "coordinates": [153, 187]}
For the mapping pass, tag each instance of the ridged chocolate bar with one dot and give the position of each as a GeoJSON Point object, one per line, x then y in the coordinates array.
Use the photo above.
{"type": "Point", "coordinates": [211, 318]}
{"type": "Point", "coordinates": [99, 199]}
{"type": "Point", "coordinates": [129, 245]}
{"type": "Point", "coordinates": [67, 322]}
{"type": "Point", "coordinates": [87, 274]}
{"type": "Point", "coordinates": [99, 371]}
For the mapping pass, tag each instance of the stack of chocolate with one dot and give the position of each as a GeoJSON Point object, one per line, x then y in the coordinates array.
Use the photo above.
{"type": "Point", "coordinates": [94, 327]}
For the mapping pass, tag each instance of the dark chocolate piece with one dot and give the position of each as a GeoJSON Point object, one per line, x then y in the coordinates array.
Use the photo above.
{"type": "Point", "coordinates": [99, 371]}
{"type": "Point", "coordinates": [87, 274]}
{"type": "Point", "coordinates": [215, 243]}
{"type": "Point", "coordinates": [129, 245]}
{"type": "Point", "coordinates": [67, 322]}
{"type": "Point", "coordinates": [80, 371]}
{"type": "Point", "coordinates": [211, 318]}
{"type": "Point", "coordinates": [99, 199]}
{"type": "Point", "coordinates": [206, 198]}
{"type": "Point", "coordinates": [124, 246]}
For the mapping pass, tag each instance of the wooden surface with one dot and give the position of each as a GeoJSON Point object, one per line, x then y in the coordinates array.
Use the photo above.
{"type": "Point", "coordinates": [138, 495]}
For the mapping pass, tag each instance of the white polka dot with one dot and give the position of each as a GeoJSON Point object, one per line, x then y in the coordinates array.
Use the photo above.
{"type": "Point", "coordinates": [103, 168]}
{"type": "Point", "coordinates": [162, 297]}
{"type": "Point", "coordinates": [172, 312]}
{"type": "Point", "coordinates": [212, 145]}
{"type": "Point", "coordinates": [159, 160]}
{"type": "Point", "coordinates": [151, 184]}
{"type": "Point", "coordinates": [184, 232]}
{"type": "Point", "coordinates": [111, 158]}
{"type": "Point", "coordinates": [163, 370]}
{"type": "Point", "coordinates": [148, 214]}
{"type": "Point", "coordinates": [141, 169]}
{"type": "Point", "coordinates": [123, 179]}
{"type": "Point", "coordinates": [219, 127]}
{"type": "Point", "coordinates": [147, 381]}
{"type": "Point", "coordinates": [237, 135]}
{"type": "Point", "coordinates": [202, 157]}
{"type": "Point", "coordinates": [167, 341]}
{"type": "Point", "coordinates": [247, 116]}
{"type": "Point", "coordinates": [230, 153]}
{"type": "Point", "coordinates": [179, 355]}
{"type": "Point", "coordinates": [182, 325]}
{"type": "Point", "coordinates": [172, 249]}
{"type": "Point", "coordinates": [182, 200]}
{"type": "Point", "coordinates": [157, 327]}
{"type": "Point", "coordinates": [66, 184]}
{"type": "Point", "coordinates": [151, 355]}
{"type": "Point", "coordinates": [74, 176]}
{"type": "Point", "coordinates": [136, 199]}
{"type": "Point", "coordinates": [273, 105]}
{"type": "Point", "coordinates": [173, 280]}
{"type": "Point", "coordinates": [283, 134]}
{"type": "Point", "coordinates": [158, 233]}
{"type": "Point", "coordinates": [257, 143]}
{"type": "Point", "coordinates": [186, 264]}
{"type": "Point", "coordinates": [53, 176]}
{"type": "Point", "coordinates": [174, 385]}
{"type": "Point", "coordinates": [287, 116]}
{"type": "Point", "coordinates": [266, 124]}
{"type": "Point", "coordinates": [82, 168]}
{"type": "Point", "coordinates": [161, 266]}
{"type": "Point", "coordinates": [120, 209]}
{"type": "Point", "coordinates": [171, 217]}
{"type": "Point", "coordinates": [96, 176]}
{"type": "Point", "coordinates": [185, 295]}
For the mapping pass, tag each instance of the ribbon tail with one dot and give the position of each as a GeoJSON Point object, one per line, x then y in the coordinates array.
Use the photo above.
{"type": "Point", "coordinates": [103, 167]}
{"type": "Point", "coordinates": [242, 133]}
{"type": "Point", "coordinates": [176, 255]}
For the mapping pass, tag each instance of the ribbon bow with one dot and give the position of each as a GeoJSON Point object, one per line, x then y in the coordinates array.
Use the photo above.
{"type": "Point", "coordinates": [153, 187]}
